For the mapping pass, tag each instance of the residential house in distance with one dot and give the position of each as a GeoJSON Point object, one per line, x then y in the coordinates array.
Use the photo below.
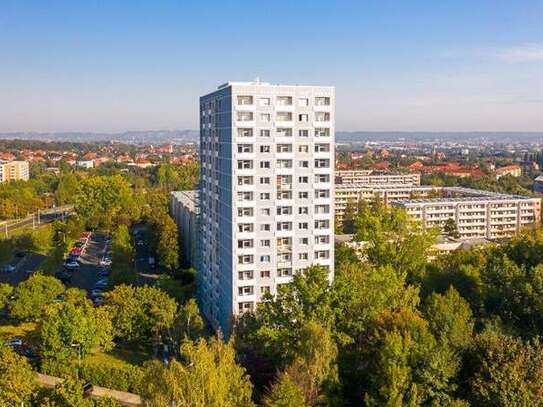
{"type": "Point", "coordinates": [14, 171]}
{"type": "Point", "coordinates": [512, 170]}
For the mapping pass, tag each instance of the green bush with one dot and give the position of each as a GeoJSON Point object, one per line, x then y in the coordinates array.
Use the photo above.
{"type": "Point", "coordinates": [123, 378]}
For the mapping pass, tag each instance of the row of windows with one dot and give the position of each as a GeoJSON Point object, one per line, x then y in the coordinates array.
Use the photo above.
{"type": "Point", "coordinates": [285, 226]}
{"type": "Point", "coordinates": [282, 117]}
{"type": "Point", "coordinates": [282, 179]}
{"type": "Point", "coordinates": [283, 132]}
{"type": "Point", "coordinates": [284, 148]}
{"type": "Point", "coordinates": [283, 243]}
{"type": "Point", "coordinates": [244, 196]}
{"type": "Point", "coordinates": [246, 259]}
{"type": "Point", "coordinates": [248, 100]}
{"type": "Point", "coordinates": [283, 163]}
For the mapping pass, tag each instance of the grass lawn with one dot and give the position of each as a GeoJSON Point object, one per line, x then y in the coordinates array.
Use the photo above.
{"type": "Point", "coordinates": [121, 357]}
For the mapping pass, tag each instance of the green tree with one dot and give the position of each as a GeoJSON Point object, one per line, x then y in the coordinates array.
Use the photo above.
{"type": "Point", "coordinates": [190, 323]}
{"type": "Point", "coordinates": [5, 292]}
{"type": "Point", "coordinates": [208, 376]}
{"type": "Point", "coordinates": [504, 371]}
{"type": "Point", "coordinates": [32, 295]}
{"type": "Point", "coordinates": [71, 327]}
{"type": "Point", "coordinates": [451, 229]}
{"type": "Point", "coordinates": [284, 393]}
{"type": "Point", "coordinates": [139, 313]}
{"type": "Point", "coordinates": [450, 318]}
{"type": "Point", "coordinates": [67, 189]}
{"type": "Point", "coordinates": [122, 262]}
{"type": "Point", "coordinates": [17, 380]}
{"type": "Point", "coordinates": [68, 393]}
{"type": "Point", "coordinates": [168, 244]}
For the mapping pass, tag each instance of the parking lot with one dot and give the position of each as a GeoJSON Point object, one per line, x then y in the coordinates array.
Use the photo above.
{"type": "Point", "coordinates": [23, 267]}
{"type": "Point", "coordinates": [87, 274]}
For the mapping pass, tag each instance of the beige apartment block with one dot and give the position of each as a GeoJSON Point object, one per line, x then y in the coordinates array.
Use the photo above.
{"type": "Point", "coordinates": [14, 171]}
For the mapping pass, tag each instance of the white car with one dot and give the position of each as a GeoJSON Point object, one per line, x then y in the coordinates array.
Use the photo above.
{"type": "Point", "coordinates": [8, 269]}
{"type": "Point", "coordinates": [72, 265]}
{"type": "Point", "coordinates": [105, 262]}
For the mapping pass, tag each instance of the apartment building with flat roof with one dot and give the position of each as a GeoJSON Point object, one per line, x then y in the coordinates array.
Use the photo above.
{"type": "Point", "coordinates": [266, 192]}
{"type": "Point", "coordinates": [185, 210]}
{"type": "Point", "coordinates": [370, 177]}
{"type": "Point", "coordinates": [14, 171]}
{"type": "Point", "coordinates": [477, 214]}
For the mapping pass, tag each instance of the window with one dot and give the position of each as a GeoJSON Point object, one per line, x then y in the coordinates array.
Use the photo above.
{"type": "Point", "coordinates": [245, 164]}
{"type": "Point", "coordinates": [322, 148]}
{"type": "Point", "coordinates": [246, 259]}
{"type": "Point", "coordinates": [303, 180]}
{"type": "Point", "coordinates": [245, 100]}
{"type": "Point", "coordinates": [284, 116]}
{"type": "Point", "coordinates": [265, 243]}
{"type": "Point", "coordinates": [245, 212]}
{"type": "Point", "coordinates": [322, 254]}
{"type": "Point", "coordinates": [245, 306]}
{"type": "Point", "coordinates": [303, 117]}
{"type": "Point", "coordinates": [322, 101]}
{"type": "Point", "coordinates": [284, 100]}
{"type": "Point", "coordinates": [282, 257]}
{"type": "Point", "coordinates": [265, 289]}
{"type": "Point", "coordinates": [284, 272]}
{"type": "Point", "coordinates": [303, 195]}
{"type": "Point", "coordinates": [264, 149]}
{"type": "Point", "coordinates": [303, 102]}
{"type": "Point", "coordinates": [245, 148]}
{"type": "Point", "coordinates": [303, 148]}
{"type": "Point", "coordinates": [265, 274]}
{"type": "Point", "coordinates": [265, 180]}
{"type": "Point", "coordinates": [245, 180]}
{"type": "Point", "coordinates": [284, 195]}
{"type": "Point", "coordinates": [303, 133]}
{"type": "Point", "coordinates": [304, 241]}
{"type": "Point", "coordinates": [265, 211]}
{"type": "Point", "coordinates": [265, 164]}
{"type": "Point", "coordinates": [303, 256]}
{"type": "Point", "coordinates": [322, 132]}
{"type": "Point", "coordinates": [322, 178]}
{"type": "Point", "coordinates": [245, 227]}
{"type": "Point", "coordinates": [245, 196]}
{"type": "Point", "coordinates": [322, 239]}
{"type": "Point", "coordinates": [245, 116]}
{"type": "Point", "coordinates": [265, 259]}
{"type": "Point", "coordinates": [245, 132]}
{"type": "Point", "coordinates": [322, 193]}
{"type": "Point", "coordinates": [303, 210]}
{"type": "Point", "coordinates": [303, 226]}
{"type": "Point", "coordinates": [303, 164]}
{"type": "Point", "coordinates": [322, 224]}
{"type": "Point", "coordinates": [284, 148]}
{"type": "Point", "coordinates": [264, 101]}
{"type": "Point", "coordinates": [246, 275]}
{"type": "Point", "coordinates": [265, 227]}
{"type": "Point", "coordinates": [322, 163]}
{"type": "Point", "coordinates": [265, 117]}
{"type": "Point", "coordinates": [284, 210]}
{"type": "Point", "coordinates": [264, 133]}
{"type": "Point", "coordinates": [245, 243]}
{"type": "Point", "coordinates": [284, 164]}
{"type": "Point", "coordinates": [284, 226]}
{"type": "Point", "coordinates": [265, 196]}
{"type": "Point", "coordinates": [246, 290]}
{"type": "Point", "coordinates": [284, 132]}
{"type": "Point", "coordinates": [322, 209]}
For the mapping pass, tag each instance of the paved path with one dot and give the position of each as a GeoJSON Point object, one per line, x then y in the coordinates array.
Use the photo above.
{"type": "Point", "coordinates": [87, 275]}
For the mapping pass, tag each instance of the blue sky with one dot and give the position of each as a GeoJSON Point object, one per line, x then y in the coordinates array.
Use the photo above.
{"type": "Point", "coordinates": [397, 65]}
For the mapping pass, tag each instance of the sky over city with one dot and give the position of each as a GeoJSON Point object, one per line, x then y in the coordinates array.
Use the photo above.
{"type": "Point", "coordinates": [450, 65]}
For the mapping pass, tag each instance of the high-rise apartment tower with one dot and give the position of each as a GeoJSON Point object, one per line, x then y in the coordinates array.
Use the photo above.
{"type": "Point", "coordinates": [266, 192]}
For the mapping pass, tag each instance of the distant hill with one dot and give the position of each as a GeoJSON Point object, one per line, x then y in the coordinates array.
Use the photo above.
{"type": "Point", "coordinates": [184, 136]}
{"type": "Point", "coordinates": [129, 137]}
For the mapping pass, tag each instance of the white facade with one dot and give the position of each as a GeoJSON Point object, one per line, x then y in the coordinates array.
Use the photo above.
{"type": "Point", "coordinates": [14, 171]}
{"type": "Point", "coordinates": [185, 210]}
{"type": "Point", "coordinates": [477, 214]}
{"type": "Point", "coordinates": [266, 192]}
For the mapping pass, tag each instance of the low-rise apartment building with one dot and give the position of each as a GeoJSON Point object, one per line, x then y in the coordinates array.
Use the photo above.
{"type": "Point", "coordinates": [477, 214]}
{"type": "Point", "coordinates": [185, 210]}
{"type": "Point", "coordinates": [14, 171]}
{"type": "Point", "coordinates": [356, 192]}
{"type": "Point", "coordinates": [369, 177]}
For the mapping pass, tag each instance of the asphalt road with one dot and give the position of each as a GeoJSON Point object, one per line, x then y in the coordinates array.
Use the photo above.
{"type": "Point", "coordinates": [87, 274]}
{"type": "Point", "coordinates": [24, 267]}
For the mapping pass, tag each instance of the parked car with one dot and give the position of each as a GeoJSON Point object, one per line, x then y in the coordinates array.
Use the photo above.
{"type": "Point", "coordinates": [102, 283]}
{"type": "Point", "coordinates": [8, 269]}
{"type": "Point", "coordinates": [96, 292]}
{"type": "Point", "coordinates": [105, 262]}
{"type": "Point", "coordinates": [76, 250]}
{"type": "Point", "coordinates": [14, 342]}
{"type": "Point", "coordinates": [98, 300]}
{"type": "Point", "coordinates": [72, 265]}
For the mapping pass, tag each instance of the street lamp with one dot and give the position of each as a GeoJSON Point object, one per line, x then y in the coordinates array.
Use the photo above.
{"type": "Point", "coordinates": [78, 346]}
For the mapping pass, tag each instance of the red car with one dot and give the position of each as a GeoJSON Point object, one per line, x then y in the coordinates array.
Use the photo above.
{"type": "Point", "coordinates": [76, 250]}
